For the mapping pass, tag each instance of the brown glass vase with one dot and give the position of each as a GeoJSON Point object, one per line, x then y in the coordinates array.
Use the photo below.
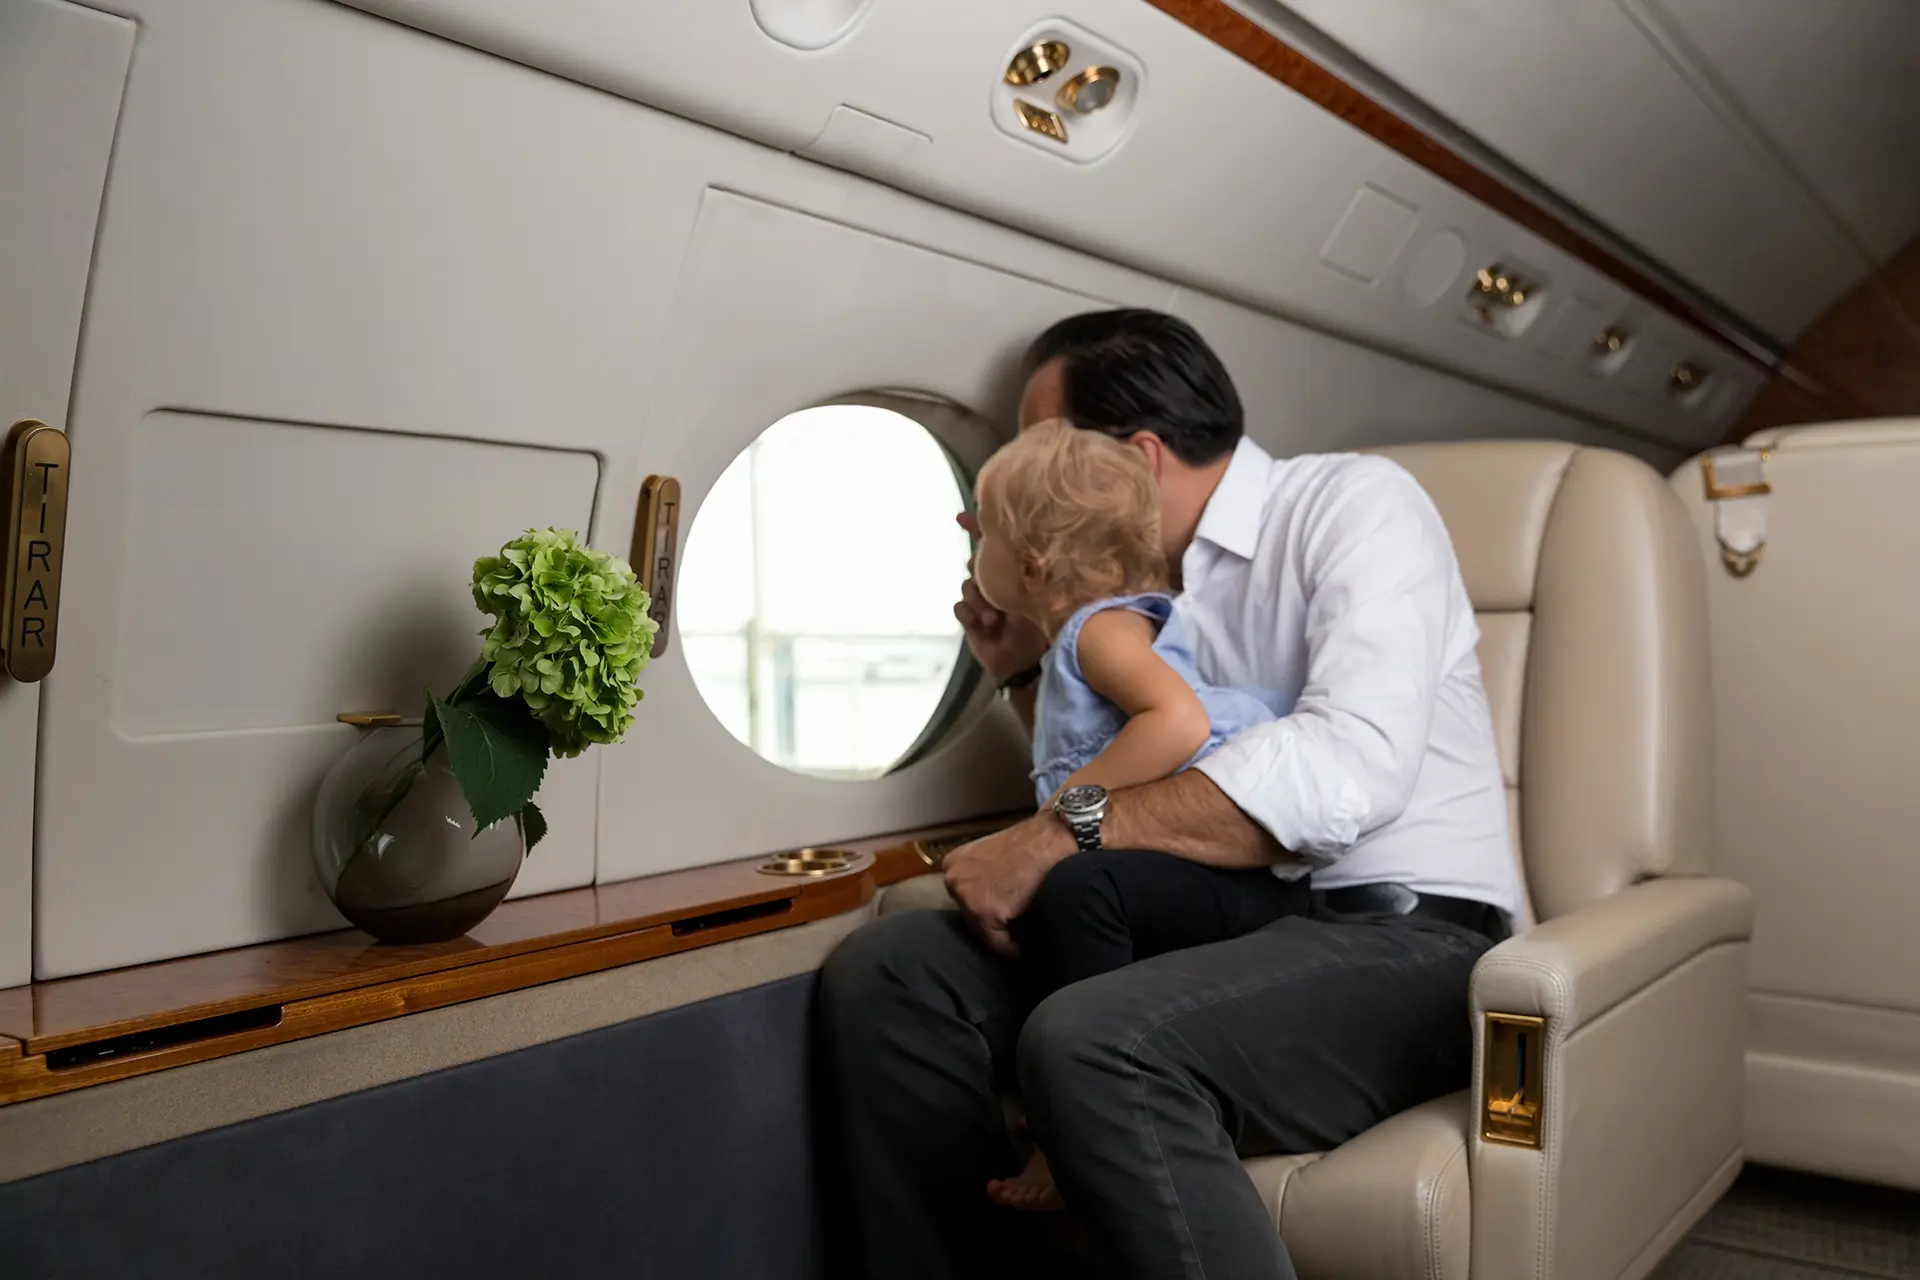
{"type": "Point", "coordinates": [394, 842]}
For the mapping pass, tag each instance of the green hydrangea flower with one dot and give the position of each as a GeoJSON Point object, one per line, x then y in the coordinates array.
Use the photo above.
{"type": "Point", "coordinates": [571, 635]}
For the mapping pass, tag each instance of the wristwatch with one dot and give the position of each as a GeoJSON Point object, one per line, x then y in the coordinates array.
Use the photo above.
{"type": "Point", "coordinates": [1020, 679]}
{"type": "Point", "coordinates": [1082, 808]}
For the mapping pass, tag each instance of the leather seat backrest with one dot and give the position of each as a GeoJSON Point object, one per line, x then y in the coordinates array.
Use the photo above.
{"type": "Point", "coordinates": [1588, 588]}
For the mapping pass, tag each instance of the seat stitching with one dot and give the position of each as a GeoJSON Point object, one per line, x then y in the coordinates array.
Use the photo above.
{"type": "Point", "coordinates": [1540, 539]}
{"type": "Point", "coordinates": [1433, 1216]}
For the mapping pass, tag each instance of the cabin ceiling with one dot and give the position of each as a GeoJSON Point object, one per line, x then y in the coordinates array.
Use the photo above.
{"type": "Point", "coordinates": [1763, 150]}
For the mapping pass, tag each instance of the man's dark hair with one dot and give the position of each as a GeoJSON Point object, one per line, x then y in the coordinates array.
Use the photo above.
{"type": "Point", "coordinates": [1138, 370]}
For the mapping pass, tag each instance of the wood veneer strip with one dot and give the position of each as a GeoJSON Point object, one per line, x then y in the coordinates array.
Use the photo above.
{"type": "Point", "coordinates": [53, 1016]}
{"type": "Point", "coordinates": [1859, 360]}
{"type": "Point", "coordinates": [1255, 45]}
{"type": "Point", "coordinates": [32, 1077]}
{"type": "Point", "coordinates": [70, 1011]}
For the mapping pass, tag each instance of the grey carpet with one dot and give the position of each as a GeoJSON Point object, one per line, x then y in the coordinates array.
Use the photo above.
{"type": "Point", "coordinates": [1775, 1225]}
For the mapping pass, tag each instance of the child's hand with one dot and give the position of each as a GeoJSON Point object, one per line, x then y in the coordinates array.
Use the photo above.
{"type": "Point", "coordinates": [1002, 644]}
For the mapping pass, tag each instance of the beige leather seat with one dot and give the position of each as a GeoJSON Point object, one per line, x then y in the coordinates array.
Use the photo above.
{"type": "Point", "coordinates": [1589, 589]}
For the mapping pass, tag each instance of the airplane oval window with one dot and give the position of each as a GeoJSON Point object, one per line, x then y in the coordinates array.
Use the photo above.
{"type": "Point", "coordinates": [815, 595]}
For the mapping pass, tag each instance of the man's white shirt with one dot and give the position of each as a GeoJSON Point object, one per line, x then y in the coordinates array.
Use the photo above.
{"type": "Point", "coordinates": [1330, 578]}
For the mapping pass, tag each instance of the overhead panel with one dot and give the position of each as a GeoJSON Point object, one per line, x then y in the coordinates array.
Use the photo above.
{"type": "Point", "coordinates": [1186, 161]}
{"type": "Point", "coordinates": [1580, 97]}
{"type": "Point", "coordinates": [1831, 87]}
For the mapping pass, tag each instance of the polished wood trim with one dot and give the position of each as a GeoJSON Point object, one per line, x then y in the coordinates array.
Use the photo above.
{"type": "Point", "coordinates": [34, 1078]}
{"type": "Point", "coordinates": [1255, 45]}
{"type": "Point", "coordinates": [1859, 360]}
{"type": "Point", "coordinates": [331, 981]}
{"type": "Point", "coordinates": [71, 1011]}
{"type": "Point", "coordinates": [896, 863]}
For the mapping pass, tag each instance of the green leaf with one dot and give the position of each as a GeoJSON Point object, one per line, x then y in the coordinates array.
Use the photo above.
{"type": "Point", "coordinates": [431, 733]}
{"type": "Point", "coordinates": [533, 825]}
{"type": "Point", "coordinates": [498, 754]}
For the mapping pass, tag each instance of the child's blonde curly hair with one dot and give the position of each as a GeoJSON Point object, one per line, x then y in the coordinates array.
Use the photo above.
{"type": "Point", "coordinates": [1080, 509]}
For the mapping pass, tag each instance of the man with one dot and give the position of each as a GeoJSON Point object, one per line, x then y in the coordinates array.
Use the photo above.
{"type": "Point", "coordinates": [1330, 577]}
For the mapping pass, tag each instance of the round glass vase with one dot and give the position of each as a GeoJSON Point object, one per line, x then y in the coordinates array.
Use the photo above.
{"type": "Point", "coordinates": [394, 842]}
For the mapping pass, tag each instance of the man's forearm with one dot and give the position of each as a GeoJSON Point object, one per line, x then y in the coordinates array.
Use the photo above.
{"type": "Point", "coordinates": [1189, 817]}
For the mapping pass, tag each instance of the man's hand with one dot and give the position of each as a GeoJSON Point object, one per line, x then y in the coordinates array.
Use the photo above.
{"type": "Point", "coordinates": [995, 877]}
{"type": "Point", "coordinates": [1002, 645]}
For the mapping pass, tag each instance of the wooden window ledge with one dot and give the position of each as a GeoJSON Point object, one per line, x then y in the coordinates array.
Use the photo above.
{"type": "Point", "coordinates": [74, 1032]}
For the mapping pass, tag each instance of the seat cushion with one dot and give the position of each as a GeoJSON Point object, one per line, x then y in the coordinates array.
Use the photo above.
{"type": "Point", "coordinates": [1392, 1204]}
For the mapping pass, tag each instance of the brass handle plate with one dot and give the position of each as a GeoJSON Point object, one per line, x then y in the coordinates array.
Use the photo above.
{"type": "Point", "coordinates": [1718, 492]}
{"type": "Point", "coordinates": [38, 469]}
{"type": "Point", "coordinates": [1512, 1082]}
{"type": "Point", "coordinates": [656, 540]}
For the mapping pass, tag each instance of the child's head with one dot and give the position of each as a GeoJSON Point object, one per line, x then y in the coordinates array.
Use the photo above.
{"type": "Point", "coordinates": [1067, 517]}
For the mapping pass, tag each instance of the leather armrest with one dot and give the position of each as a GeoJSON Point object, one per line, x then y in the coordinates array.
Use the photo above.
{"type": "Point", "coordinates": [1576, 967]}
{"type": "Point", "coordinates": [1644, 997]}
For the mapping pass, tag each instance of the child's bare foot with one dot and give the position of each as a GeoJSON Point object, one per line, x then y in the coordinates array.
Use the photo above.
{"type": "Point", "coordinates": [1031, 1188]}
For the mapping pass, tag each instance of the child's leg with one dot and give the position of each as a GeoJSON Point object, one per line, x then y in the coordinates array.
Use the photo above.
{"type": "Point", "coordinates": [1097, 912]}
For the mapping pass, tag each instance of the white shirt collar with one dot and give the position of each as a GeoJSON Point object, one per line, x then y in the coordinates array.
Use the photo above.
{"type": "Point", "coordinates": [1231, 520]}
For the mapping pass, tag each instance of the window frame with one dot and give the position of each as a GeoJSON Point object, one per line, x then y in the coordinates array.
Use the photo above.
{"type": "Point", "coordinates": [966, 439]}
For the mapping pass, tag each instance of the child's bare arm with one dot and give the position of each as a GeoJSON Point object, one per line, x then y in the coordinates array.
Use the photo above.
{"type": "Point", "coordinates": [1166, 723]}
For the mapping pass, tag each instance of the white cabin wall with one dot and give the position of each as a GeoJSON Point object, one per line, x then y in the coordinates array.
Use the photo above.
{"type": "Point", "coordinates": [339, 260]}
{"type": "Point", "coordinates": [1672, 121]}
{"type": "Point", "coordinates": [57, 113]}
{"type": "Point", "coordinates": [1227, 181]}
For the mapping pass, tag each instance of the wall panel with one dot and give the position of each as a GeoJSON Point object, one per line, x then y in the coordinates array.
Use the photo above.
{"type": "Point", "coordinates": [415, 260]}
{"type": "Point", "coordinates": [1577, 95]}
{"type": "Point", "coordinates": [1831, 86]}
{"type": "Point", "coordinates": [63, 71]}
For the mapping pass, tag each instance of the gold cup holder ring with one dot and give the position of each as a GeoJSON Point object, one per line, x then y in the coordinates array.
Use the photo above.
{"type": "Point", "coordinates": [1037, 61]}
{"type": "Point", "coordinates": [1089, 90]}
{"type": "Point", "coordinates": [934, 852]}
{"type": "Point", "coordinates": [811, 862]}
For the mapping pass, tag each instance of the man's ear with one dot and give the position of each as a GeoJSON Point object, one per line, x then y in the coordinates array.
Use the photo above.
{"type": "Point", "coordinates": [1154, 448]}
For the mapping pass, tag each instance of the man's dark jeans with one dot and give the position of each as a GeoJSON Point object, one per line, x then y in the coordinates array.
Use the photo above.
{"type": "Point", "coordinates": [1144, 1086]}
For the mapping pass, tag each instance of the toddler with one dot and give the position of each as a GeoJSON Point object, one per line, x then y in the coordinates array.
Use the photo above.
{"type": "Point", "coordinates": [1070, 540]}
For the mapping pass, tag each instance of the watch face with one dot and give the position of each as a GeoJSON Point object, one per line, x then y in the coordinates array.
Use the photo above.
{"type": "Point", "coordinates": [1085, 799]}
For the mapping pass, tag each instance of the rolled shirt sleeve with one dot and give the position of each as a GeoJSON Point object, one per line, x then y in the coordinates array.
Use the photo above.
{"type": "Point", "coordinates": [1379, 579]}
